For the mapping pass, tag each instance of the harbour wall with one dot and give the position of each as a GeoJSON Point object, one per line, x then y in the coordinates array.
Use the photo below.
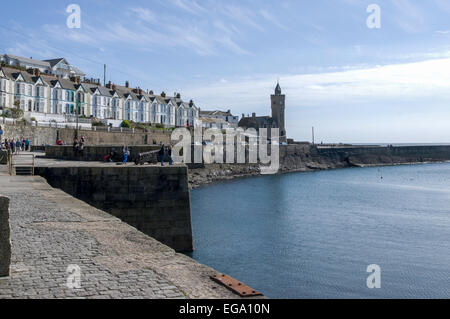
{"type": "Point", "coordinates": [305, 158]}
{"type": "Point", "coordinates": [154, 200]}
{"type": "Point", "coordinates": [49, 135]}
{"type": "Point", "coordinates": [96, 153]}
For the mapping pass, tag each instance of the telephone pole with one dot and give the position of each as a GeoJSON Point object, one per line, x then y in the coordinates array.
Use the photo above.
{"type": "Point", "coordinates": [104, 75]}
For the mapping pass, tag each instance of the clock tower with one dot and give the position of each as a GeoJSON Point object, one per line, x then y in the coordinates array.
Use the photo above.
{"type": "Point", "coordinates": [278, 101]}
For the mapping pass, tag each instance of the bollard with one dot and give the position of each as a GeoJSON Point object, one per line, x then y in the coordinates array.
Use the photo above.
{"type": "Point", "coordinates": [5, 238]}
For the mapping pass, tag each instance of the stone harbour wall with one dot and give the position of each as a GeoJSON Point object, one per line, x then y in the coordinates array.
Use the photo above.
{"type": "Point", "coordinates": [155, 200]}
{"type": "Point", "coordinates": [40, 136]}
{"type": "Point", "coordinates": [5, 238]}
{"type": "Point", "coordinates": [96, 153]}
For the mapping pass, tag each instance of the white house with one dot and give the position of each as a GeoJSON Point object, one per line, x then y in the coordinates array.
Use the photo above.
{"type": "Point", "coordinates": [187, 114]}
{"type": "Point", "coordinates": [6, 89]}
{"type": "Point", "coordinates": [100, 99]}
{"type": "Point", "coordinates": [62, 68]}
{"type": "Point", "coordinates": [220, 119]}
{"type": "Point", "coordinates": [27, 63]}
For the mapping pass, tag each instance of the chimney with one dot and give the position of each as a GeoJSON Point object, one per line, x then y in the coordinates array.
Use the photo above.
{"type": "Point", "coordinates": [113, 87]}
{"type": "Point", "coordinates": [127, 84]}
{"type": "Point", "coordinates": [191, 103]}
{"type": "Point", "coordinates": [243, 115]}
{"type": "Point", "coordinates": [163, 94]}
{"type": "Point", "coordinates": [253, 114]}
{"type": "Point", "coordinates": [37, 73]}
{"type": "Point", "coordinates": [108, 85]}
{"type": "Point", "coordinates": [178, 95]}
{"type": "Point", "coordinates": [139, 91]}
{"type": "Point", "coordinates": [151, 92]}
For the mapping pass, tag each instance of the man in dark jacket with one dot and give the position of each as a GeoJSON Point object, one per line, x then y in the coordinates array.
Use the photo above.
{"type": "Point", "coordinates": [162, 154]}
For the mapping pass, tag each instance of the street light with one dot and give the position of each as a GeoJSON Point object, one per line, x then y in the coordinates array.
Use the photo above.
{"type": "Point", "coordinates": [76, 114]}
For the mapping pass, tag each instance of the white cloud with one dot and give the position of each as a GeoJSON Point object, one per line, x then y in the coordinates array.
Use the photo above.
{"type": "Point", "coordinates": [266, 15]}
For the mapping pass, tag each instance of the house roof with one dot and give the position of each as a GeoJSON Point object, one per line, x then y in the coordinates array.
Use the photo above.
{"type": "Point", "coordinates": [256, 122]}
{"type": "Point", "coordinates": [103, 90]}
{"type": "Point", "coordinates": [13, 74]}
{"type": "Point", "coordinates": [54, 62]}
{"type": "Point", "coordinates": [28, 61]}
{"type": "Point", "coordinates": [210, 120]}
{"type": "Point", "coordinates": [215, 113]}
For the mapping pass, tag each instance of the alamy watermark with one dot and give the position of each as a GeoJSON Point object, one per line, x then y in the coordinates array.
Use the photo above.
{"type": "Point", "coordinates": [74, 19]}
{"type": "Point", "coordinates": [374, 19]}
{"type": "Point", "coordinates": [230, 146]}
{"type": "Point", "coordinates": [374, 279]}
{"type": "Point", "coordinates": [73, 277]}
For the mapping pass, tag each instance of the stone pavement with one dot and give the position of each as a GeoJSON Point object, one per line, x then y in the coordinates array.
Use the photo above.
{"type": "Point", "coordinates": [51, 230]}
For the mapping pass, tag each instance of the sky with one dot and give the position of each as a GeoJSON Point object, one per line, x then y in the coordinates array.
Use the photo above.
{"type": "Point", "coordinates": [353, 83]}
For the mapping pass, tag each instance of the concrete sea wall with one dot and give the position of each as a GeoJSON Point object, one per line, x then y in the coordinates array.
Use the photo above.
{"type": "Point", "coordinates": [154, 200]}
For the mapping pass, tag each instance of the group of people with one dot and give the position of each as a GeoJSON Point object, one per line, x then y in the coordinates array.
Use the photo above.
{"type": "Point", "coordinates": [78, 146]}
{"type": "Point", "coordinates": [15, 146]}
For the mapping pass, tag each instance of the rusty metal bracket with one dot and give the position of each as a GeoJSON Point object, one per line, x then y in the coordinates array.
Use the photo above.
{"type": "Point", "coordinates": [235, 286]}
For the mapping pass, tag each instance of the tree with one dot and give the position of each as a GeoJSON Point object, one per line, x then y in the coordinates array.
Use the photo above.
{"type": "Point", "coordinates": [126, 124]}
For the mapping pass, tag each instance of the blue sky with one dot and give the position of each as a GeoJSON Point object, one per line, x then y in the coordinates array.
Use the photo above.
{"type": "Point", "coordinates": [352, 83]}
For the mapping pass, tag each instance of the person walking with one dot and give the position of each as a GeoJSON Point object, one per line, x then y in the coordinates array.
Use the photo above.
{"type": "Point", "coordinates": [169, 154]}
{"type": "Point", "coordinates": [75, 146]}
{"type": "Point", "coordinates": [18, 147]}
{"type": "Point", "coordinates": [27, 145]}
{"type": "Point", "coordinates": [12, 146]}
{"type": "Point", "coordinates": [126, 153]}
{"type": "Point", "coordinates": [81, 147]}
{"type": "Point", "coordinates": [1, 133]}
{"type": "Point", "coordinates": [162, 154]}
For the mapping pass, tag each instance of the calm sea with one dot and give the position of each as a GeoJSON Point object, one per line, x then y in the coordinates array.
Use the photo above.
{"type": "Point", "coordinates": [312, 235]}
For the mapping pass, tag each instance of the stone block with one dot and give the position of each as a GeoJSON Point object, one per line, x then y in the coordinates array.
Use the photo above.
{"type": "Point", "coordinates": [5, 238]}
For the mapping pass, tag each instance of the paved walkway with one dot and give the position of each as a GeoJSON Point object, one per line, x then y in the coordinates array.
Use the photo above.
{"type": "Point", "coordinates": [52, 230]}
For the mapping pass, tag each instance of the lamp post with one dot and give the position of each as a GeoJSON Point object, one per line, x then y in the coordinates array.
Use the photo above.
{"type": "Point", "coordinates": [76, 114]}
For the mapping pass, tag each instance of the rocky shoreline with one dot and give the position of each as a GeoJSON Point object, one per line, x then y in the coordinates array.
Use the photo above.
{"type": "Point", "coordinates": [299, 162]}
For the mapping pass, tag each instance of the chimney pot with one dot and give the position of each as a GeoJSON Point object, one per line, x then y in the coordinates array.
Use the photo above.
{"type": "Point", "coordinates": [253, 114]}
{"type": "Point", "coordinates": [127, 84]}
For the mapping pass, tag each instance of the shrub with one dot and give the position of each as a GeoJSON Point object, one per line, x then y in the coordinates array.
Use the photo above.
{"type": "Point", "coordinates": [33, 119]}
{"type": "Point", "coordinates": [13, 113]}
{"type": "Point", "coordinates": [126, 124]}
{"type": "Point", "coordinates": [159, 126]}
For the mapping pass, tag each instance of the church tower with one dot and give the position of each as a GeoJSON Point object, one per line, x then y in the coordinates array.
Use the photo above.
{"type": "Point", "coordinates": [278, 112]}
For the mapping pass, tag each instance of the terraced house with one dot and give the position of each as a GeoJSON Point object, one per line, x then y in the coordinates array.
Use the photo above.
{"type": "Point", "coordinates": [25, 90]}
{"type": "Point", "coordinates": [55, 91]}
